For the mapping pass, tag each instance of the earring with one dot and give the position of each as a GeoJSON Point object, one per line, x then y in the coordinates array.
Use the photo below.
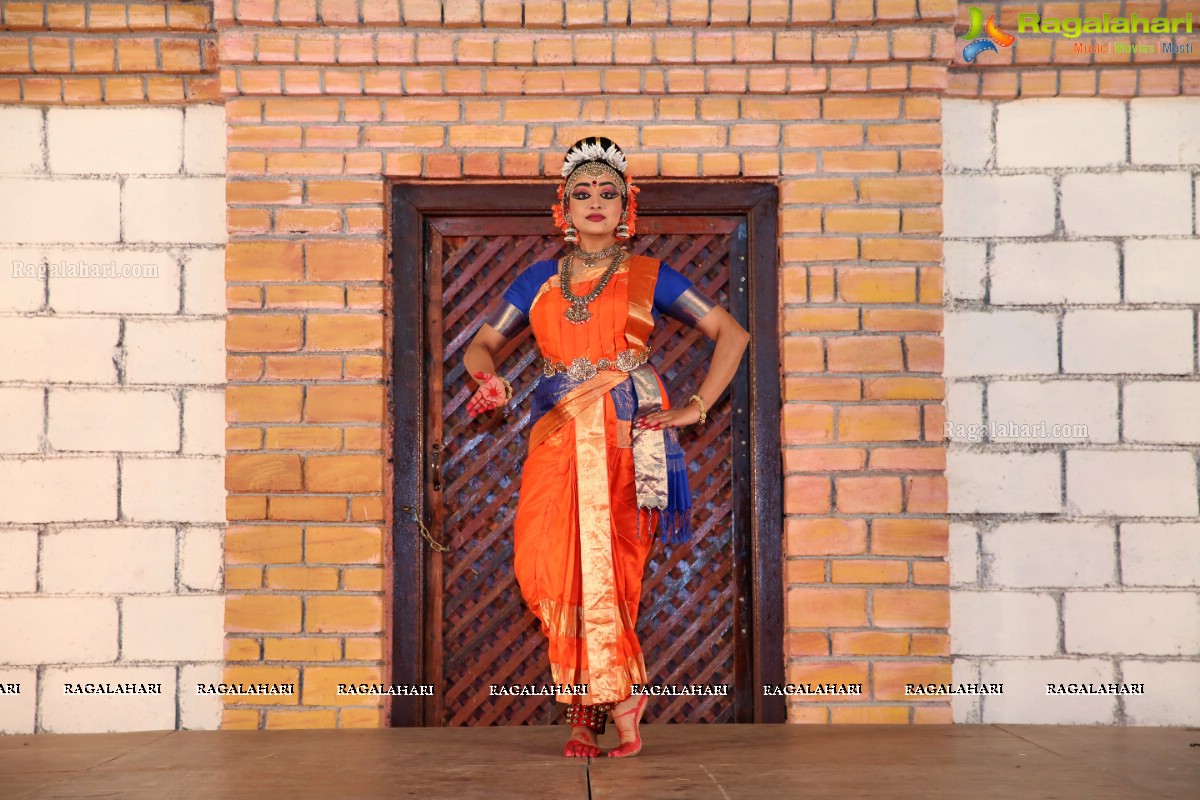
{"type": "Point", "coordinates": [570, 234]}
{"type": "Point", "coordinates": [623, 228]}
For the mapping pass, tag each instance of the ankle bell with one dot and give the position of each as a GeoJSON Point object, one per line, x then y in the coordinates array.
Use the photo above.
{"type": "Point", "coordinates": [594, 716]}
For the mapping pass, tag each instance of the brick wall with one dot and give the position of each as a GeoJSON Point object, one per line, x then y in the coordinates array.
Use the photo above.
{"type": "Point", "coordinates": [111, 412]}
{"type": "Point", "coordinates": [837, 101]}
{"type": "Point", "coordinates": [1072, 294]}
{"type": "Point", "coordinates": [111, 398]}
{"type": "Point", "coordinates": [1053, 311]}
{"type": "Point", "coordinates": [118, 53]}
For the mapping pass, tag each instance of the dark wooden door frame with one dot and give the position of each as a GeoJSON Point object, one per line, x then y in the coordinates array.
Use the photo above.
{"type": "Point", "coordinates": [758, 309]}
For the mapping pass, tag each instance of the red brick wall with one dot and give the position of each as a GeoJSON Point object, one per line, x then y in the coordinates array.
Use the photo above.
{"type": "Point", "coordinates": [107, 53]}
{"type": "Point", "coordinates": [838, 102]}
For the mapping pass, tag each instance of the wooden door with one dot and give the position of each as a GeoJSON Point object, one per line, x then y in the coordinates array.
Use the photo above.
{"type": "Point", "coordinates": [695, 623]}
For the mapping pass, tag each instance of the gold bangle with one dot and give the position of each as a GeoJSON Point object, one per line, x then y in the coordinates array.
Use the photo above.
{"type": "Point", "coordinates": [703, 412]}
{"type": "Point", "coordinates": [508, 390]}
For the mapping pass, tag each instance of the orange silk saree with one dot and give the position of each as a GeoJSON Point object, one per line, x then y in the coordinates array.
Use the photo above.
{"type": "Point", "coordinates": [583, 531]}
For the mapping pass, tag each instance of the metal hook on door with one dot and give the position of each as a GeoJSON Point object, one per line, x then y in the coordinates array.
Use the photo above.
{"type": "Point", "coordinates": [435, 466]}
{"type": "Point", "coordinates": [436, 545]}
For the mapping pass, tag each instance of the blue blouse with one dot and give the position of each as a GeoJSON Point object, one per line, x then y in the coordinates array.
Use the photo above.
{"type": "Point", "coordinates": [674, 295]}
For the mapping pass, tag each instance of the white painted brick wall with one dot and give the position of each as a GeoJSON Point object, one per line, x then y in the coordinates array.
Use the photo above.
{"type": "Point", "coordinates": [1116, 341]}
{"type": "Point", "coordinates": [1014, 483]}
{"type": "Point", "coordinates": [204, 281]}
{"type": "Point", "coordinates": [1025, 701]}
{"type": "Point", "coordinates": [964, 403]}
{"type": "Point", "coordinates": [164, 489]}
{"type": "Point", "coordinates": [1164, 131]}
{"type": "Point", "coordinates": [59, 210]}
{"type": "Point", "coordinates": [95, 141]}
{"type": "Point", "coordinates": [153, 632]}
{"type": "Point", "coordinates": [1018, 623]}
{"type": "Point", "coordinates": [111, 412]}
{"type": "Point", "coordinates": [1055, 272]}
{"type": "Point", "coordinates": [1067, 404]}
{"type": "Point", "coordinates": [1126, 204]}
{"type": "Point", "coordinates": [204, 140]}
{"type": "Point", "coordinates": [51, 629]}
{"type": "Point", "coordinates": [965, 707]}
{"type": "Point", "coordinates": [1180, 708]}
{"type": "Point", "coordinates": [19, 291]}
{"type": "Point", "coordinates": [1160, 553]}
{"type": "Point", "coordinates": [199, 712]}
{"type": "Point", "coordinates": [113, 420]}
{"type": "Point", "coordinates": [22, 414]}
{"type": "Point", "coordinates": [204, 421]}
{"type": "Point", "coordinates": [79, 561]}
{"type": "Point", "coordinates": [967, 135]}
{"type": "Point", "coordinates": [1132, 623]}
{"type": "Point", "coordinates": [174, 209]}
{"type": "Point", "coordinates": [18, 559]}
{"type": "Point", "coordinates": [964, 554]}
{"type": "Point", "coordinates": [40, 489]}
{"type": "Point", "coordinates": [966, 269]}
{"type": "Point", "coordinates": [1050, 554]}
{"type": "Point", "coordinates": [1000, 343]}
{"type": "Point", "coordinates": [18, 712]}
{"type": "Point", "coordinates": [45, 349]}
{"type": "Point", "coordinates": [1090, 232]}
{"type": "Point", "coordinates": [1162, 271]}
{"type": "Point", "coordinates": [22, 131]}
{"type": "Point", "coordinates": [1027, 133]}
{"type": "Point", "coordinates": [108, 713]}
{"type": "Point", "coordinates": [1131, 483]}
{"type": "Point", "coordinates": [1162, 411]}
{"type": "Point", "coordinates": [175, 351]}
{"type": "Point", "coordinates": [998, 205]}
{"type": "Point", "coordinates": [202, 558]}
{"type": "Point", "coordinates": [148, 282]}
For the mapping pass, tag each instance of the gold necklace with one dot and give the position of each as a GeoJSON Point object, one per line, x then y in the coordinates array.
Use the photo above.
{"type": "Point", "coordinates": [578, 312]}
{"type": "Point", "coordinates": [589, 259]}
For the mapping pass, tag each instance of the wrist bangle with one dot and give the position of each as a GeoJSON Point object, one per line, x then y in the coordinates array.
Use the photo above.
{"type": "Point", "coordinates": [703, 412]}
{"type": "Point", "coordinates": [508, 390]}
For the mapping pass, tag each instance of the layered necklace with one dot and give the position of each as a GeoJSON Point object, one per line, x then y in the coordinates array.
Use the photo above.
{"type": "Point", "coordinates": [578, 312]}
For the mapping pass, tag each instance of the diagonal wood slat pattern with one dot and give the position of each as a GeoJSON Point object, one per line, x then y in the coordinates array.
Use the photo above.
{"type": "Point", "coordinates": [487, 634]}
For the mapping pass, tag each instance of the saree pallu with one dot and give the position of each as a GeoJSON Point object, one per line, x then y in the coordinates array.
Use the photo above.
{"type": "Point", "coordinates": [581, 540]}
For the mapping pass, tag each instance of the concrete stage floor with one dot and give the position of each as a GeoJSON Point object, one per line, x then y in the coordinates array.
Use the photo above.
{"type": "Point", "coordinates": [723, 762]}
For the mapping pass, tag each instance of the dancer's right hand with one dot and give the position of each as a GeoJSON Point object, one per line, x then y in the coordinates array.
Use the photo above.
{"type": "Point", "coordinates": [489, 395]}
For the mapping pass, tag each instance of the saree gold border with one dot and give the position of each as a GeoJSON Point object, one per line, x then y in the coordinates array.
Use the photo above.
{"type": "Point", "coordinates": [634, 667]}
{"type": "Point", "coordinates": [649, 446]}
{"type": "Point", "coordinates": [601, 619]}
{"type": "Point", "coordinates": [563, 619]}
{"type": "Point", "coordinates": [572, 403]}
{"type": "Point", "coordinates": [643, 275]}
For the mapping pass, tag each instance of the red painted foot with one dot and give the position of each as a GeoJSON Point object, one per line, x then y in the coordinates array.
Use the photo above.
{"type": "Point", "coordinates": [582, 743]}
{"type": "Point", "coordinates": [630, 747]}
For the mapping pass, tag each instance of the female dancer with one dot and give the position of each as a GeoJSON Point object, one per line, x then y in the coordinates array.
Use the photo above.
{"type": "Point", "coordinates": [604, 467]}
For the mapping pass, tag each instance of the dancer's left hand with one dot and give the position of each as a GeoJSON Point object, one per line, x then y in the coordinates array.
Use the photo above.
{"type": "Point", "coordinates": [673, 418]}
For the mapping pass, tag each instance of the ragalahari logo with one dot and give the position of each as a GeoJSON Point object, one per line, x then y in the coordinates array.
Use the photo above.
{"type": "Point", "coordinates": [995, 36]}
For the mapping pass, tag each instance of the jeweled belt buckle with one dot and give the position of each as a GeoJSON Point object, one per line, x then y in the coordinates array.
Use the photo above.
{"type": "Point", "coordinates": [582, 369]}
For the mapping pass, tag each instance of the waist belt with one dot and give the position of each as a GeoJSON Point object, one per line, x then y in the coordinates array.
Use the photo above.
{"type": "Point", "coordinates": [582, 369]}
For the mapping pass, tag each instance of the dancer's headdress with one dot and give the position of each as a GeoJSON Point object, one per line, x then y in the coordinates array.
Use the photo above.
{"type": "Point", "coordinates": [593, 156]}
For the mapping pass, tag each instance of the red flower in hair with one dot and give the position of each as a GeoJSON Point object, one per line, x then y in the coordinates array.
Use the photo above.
{"type": "Point", "coordinates": [632, 206]}
{"type": "Point", "coordinates": [560, 221]}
